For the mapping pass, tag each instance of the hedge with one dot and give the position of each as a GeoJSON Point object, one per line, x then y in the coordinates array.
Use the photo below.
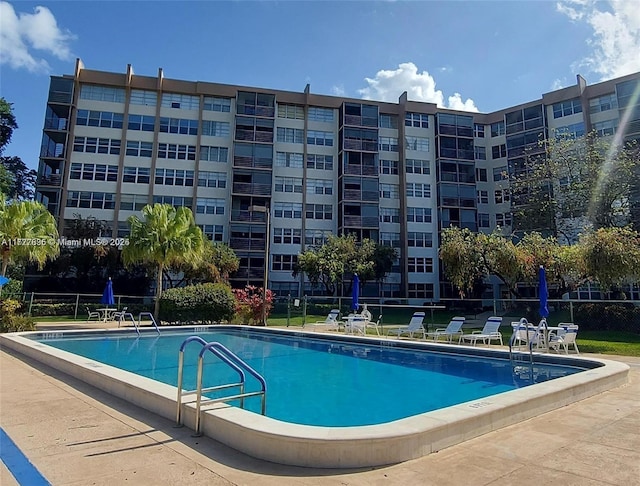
{"type": "Point", "coordinates": [197, 304]}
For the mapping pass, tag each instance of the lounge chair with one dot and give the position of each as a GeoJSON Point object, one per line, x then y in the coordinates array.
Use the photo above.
{"type": "Point", "coordinates": [375, 325]}
{"type": "Point", "coordinates": [91, 314]}
{"type": "Point", "coordinates": [454, 328]}
{"type": "Point", "coordinates": [564, 338]}
{"type": "Point", "coordinates": [331, 322]}
{"type": "Point", "coordinates": [415, 327]}
{"type": "Point", "coordinates": [490, 332]}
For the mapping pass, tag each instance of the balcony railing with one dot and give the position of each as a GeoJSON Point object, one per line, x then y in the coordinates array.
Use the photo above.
{"type": "Point", "coordinates": [247, 244]}
{"type": "Point", "coordinates": [255, 162]}
{"type": "Point", "coordinates": [251, 189]}
{"type": "Point", "coordinates": [50, 180]}
{"type": "Point", "coordinates": [238, 215]}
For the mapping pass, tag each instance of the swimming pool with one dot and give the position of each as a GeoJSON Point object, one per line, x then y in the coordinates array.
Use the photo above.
{"type": "Point", "coordinates": [319, 382]}
{"type": "Point", "coordinates": [352, 434]}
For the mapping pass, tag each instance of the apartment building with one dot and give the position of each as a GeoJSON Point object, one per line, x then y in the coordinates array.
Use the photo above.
{"type": "Point", "coordinates": [294, 167]}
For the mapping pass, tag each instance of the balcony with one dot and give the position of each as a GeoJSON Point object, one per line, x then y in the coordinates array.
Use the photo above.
{"type": "Point", "coordinates": [247, 244]}
{"type": "Point", "coordinates": [253, 162]}
{"type": "Point", "coordinates": [360, 221]}
{"type": "Point", "coordinates": [239, 215]}
{"type": "Point", "coordinates": [54, 180]}
{"type": "Point", "coordinates": [252, 189]}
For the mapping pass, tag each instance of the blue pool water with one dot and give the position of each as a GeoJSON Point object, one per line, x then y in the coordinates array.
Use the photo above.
{"type": "Point", "coordinates": [315, 381]}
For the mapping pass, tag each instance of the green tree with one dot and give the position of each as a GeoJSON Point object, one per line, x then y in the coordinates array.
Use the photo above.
{"type": "Point", "coordinates": [217, 262]}
{"type": "Point", "coordinates": [575, 182]}
{"type": "Point", "coordinates": [28, 233]}
{"type": "Point", "coordinates": [16, 179]}
{"type": "Point", "coordinates": [165, 237]}
{"type": "Point", "coordinates": [610, 256]}
{"type": "Point", "coordinates": [8, 123]}
{"type": "Point", "coordinates": [340, 255]}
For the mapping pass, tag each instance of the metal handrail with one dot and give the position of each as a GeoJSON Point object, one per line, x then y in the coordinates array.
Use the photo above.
{"type": "Point", "coordinates": [233, 361]}
{"type": "Point", "coordinates": [155, 324]}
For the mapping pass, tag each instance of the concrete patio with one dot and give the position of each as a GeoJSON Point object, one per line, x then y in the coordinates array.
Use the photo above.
{"type": "Point", "coordinates": [75, 434]}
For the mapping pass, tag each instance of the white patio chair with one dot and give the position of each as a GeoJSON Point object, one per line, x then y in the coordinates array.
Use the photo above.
{"type": "Point", "coordinates": [330, 323]}
{"type": "Point", "coordinates": [490, 332]}
{"type": "Point", "coordinates": [415, 327]}
{"type": "Point", "coordinates": [454, 328]}
{"type": "Point", "coordinates": [91, 314]}
{"type": "Point", "coordinates": [564, 339]}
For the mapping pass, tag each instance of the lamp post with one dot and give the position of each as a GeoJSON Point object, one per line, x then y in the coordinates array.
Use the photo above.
{"type": "Point", "coordinates": [264, 209]}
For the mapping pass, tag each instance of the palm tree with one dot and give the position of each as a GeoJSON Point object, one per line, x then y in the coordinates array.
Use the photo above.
{"type": "Point", "coordinates": [28, 233]}
{"type": "Point", "coordinates": [166, 237]}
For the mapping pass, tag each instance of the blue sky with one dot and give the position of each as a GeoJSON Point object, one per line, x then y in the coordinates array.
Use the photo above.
{"type": "Point", "coordinates": [472, 55]}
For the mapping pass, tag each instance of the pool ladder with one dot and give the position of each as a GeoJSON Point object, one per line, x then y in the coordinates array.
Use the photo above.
{"type": "Point", "coordinates": [125, 315]}
{"type": "Point", "coordinates": [234, 362]}
{"type": "Point", "coordinates": [540, 335]}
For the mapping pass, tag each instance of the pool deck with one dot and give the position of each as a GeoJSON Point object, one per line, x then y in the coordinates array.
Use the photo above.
{"type": "Point", "coordinates": [75, 434]}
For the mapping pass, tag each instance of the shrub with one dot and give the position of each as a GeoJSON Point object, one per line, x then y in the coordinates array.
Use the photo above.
{"type": "Point", "coordinates": [249, 304]}
{"type": "Point", "coordinates": [611, 317]}
{"type": "Point", "coordinates": [197, 304]}
{"type": "Point", "coordinates": [11, 320]}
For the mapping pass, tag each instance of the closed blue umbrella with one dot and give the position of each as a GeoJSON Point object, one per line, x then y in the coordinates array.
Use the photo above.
{"type": "Point", "coordinates": [4, 280]}
{"type": "Point", "coordinates": [107, 295]}
{"type": "Point", "coordinates": [355, 293]}
{"type": "Point", "coordinates": [544, 293]}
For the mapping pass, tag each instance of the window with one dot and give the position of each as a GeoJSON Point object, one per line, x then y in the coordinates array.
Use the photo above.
{"type": "Point", "coordinates": [287, 210]}
{"type": "Point", "coordinates": [389, 215]}
{"type": "Point", "coordinates": [215, 232]}
{"type": "Point", "coordinates": [502, 196]}
{"type": "Point", "coordinates": [389, 167]}
{"type": "Point", "coordinates": [182, 101]}
{"type": "Point", "coordinates": [209, 205]}
{"type": "Point", "coordinates": [176, 151]}
{"type": "Point", "coordinates": [420, 264]}
{"type": "Point", "coordinates": [141, 122]}
{"type": "Point", "coordinates": [388, 121]}
{"type": "Point", "coordinates": [479, 153]}
{"type": "Point", "coordinates": [320, 114]}
{"type": "Point", "coordinates": [94, 200]}
{"type": "Point", "coordinates": [603, 103]}
{"type": "Point", "coordinates": [319, 186]}
{"type": "Point", "coordinates": [317, 137]}
{"type": "Point", "coordinates": [101, 93]}
{"type": "Point", "coordinates": [320, 162]}
{"type": "Point", "coordinates": [606, 128]}
{"type": "Point", "coordinates": [143, 97]}
{"type": "Point", "coordinates": [319, 211]}
{"type": "Point", "coordinates": [175, 201]}
{"type": "Point", "coordinates": [417, 166]}
{"type": "Point", "coordinates": [284, 262]}
{"type": "Point", "coordinates": [483, 220]}
{"type": "Point", "coordinates": [96, 145]}
{"type": "Point", "coordinates": [133, 202]}
{"type": "Point", "coordinates": [174, 177]}
{"type": "Point", "coordinates": [139, 149]}
{"type": "Point", "coordinates": [481, 175]}
{"type": "Point", "coordinates": [315, 237]}
{"type": "Point", "coordinates": [390, 239]}
{"type": "Point", "coordinates": [415, 189]}
{"type": "Point", "coordinates": [418, 120]}
{"type": "Point", "coordinates": [419, 215]}
{"type": "Point", "coordinates": [103, 119]}
{"type": "Point", "coordinates": [389, 191]}
{"type": "Point", "coordinates": [215, 128]}
{"type": "Point", "coordinates": [500, 173]}
{"type": "Point", "coordinates": [184, 126]}
{"type": "Point", "coordinates": [478, 130]}
{"type": "Point", "coordinates": [572, 131]}
{"type": "Point", "coordinates": [483, 197]}
{"type": "Point", "coordinates": [212, 179]}
{"type": "Point", "coordinates": [567, 108]}
{"type": "Point", "coordinates": [288, 184]}
{"type": "Point", "coordinates": [217, 104]}
{"type": "Point", "coordinates": [214, 154]}
{"type": "Point", "coordinates": [289, 159]}
{"type": "Point", "coordinates": [503, 219]}
{"type": "Point", "coordinates": [294, 112]}
{"type": "Point", "coordinates": [419, 144]}
{"type": "Point", "coordinates": [420, 290]}
{"type": "Point", "coordinates": [136, 175]}
{"type": "Point", "coordinates": [499, 151]}
{"type": "Point", "coordinates": [94, 172]}
{"type": "Point", "coordinates": [497, 129]}
{"type": "Point", "coordinates": [419, 240]}
{"type": "Point", "coordinates": [388, 144]}
{"type": "Point", "coordinates": [287, 236]}
{"type": "Point", "coordinates": [289, 135]}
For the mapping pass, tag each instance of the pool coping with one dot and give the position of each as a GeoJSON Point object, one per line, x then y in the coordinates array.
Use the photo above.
{"type": "Point", "coordinates": [337, 447]}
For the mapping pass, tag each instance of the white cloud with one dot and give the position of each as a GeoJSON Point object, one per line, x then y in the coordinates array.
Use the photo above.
{"type": "Point", "coordinates": [616, 34]}
{"type": "Point", "coordinates": [21, 33]}
{"type": "Point", "coordinates": [557, 84]}
{"type": "Point", "coordinates": [388, 85]}
{"type": "Point", "coordinates": [338, 90]}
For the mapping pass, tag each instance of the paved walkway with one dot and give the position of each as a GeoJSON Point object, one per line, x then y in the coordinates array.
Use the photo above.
{"type": "Point", "coordinates": [77, 435]}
